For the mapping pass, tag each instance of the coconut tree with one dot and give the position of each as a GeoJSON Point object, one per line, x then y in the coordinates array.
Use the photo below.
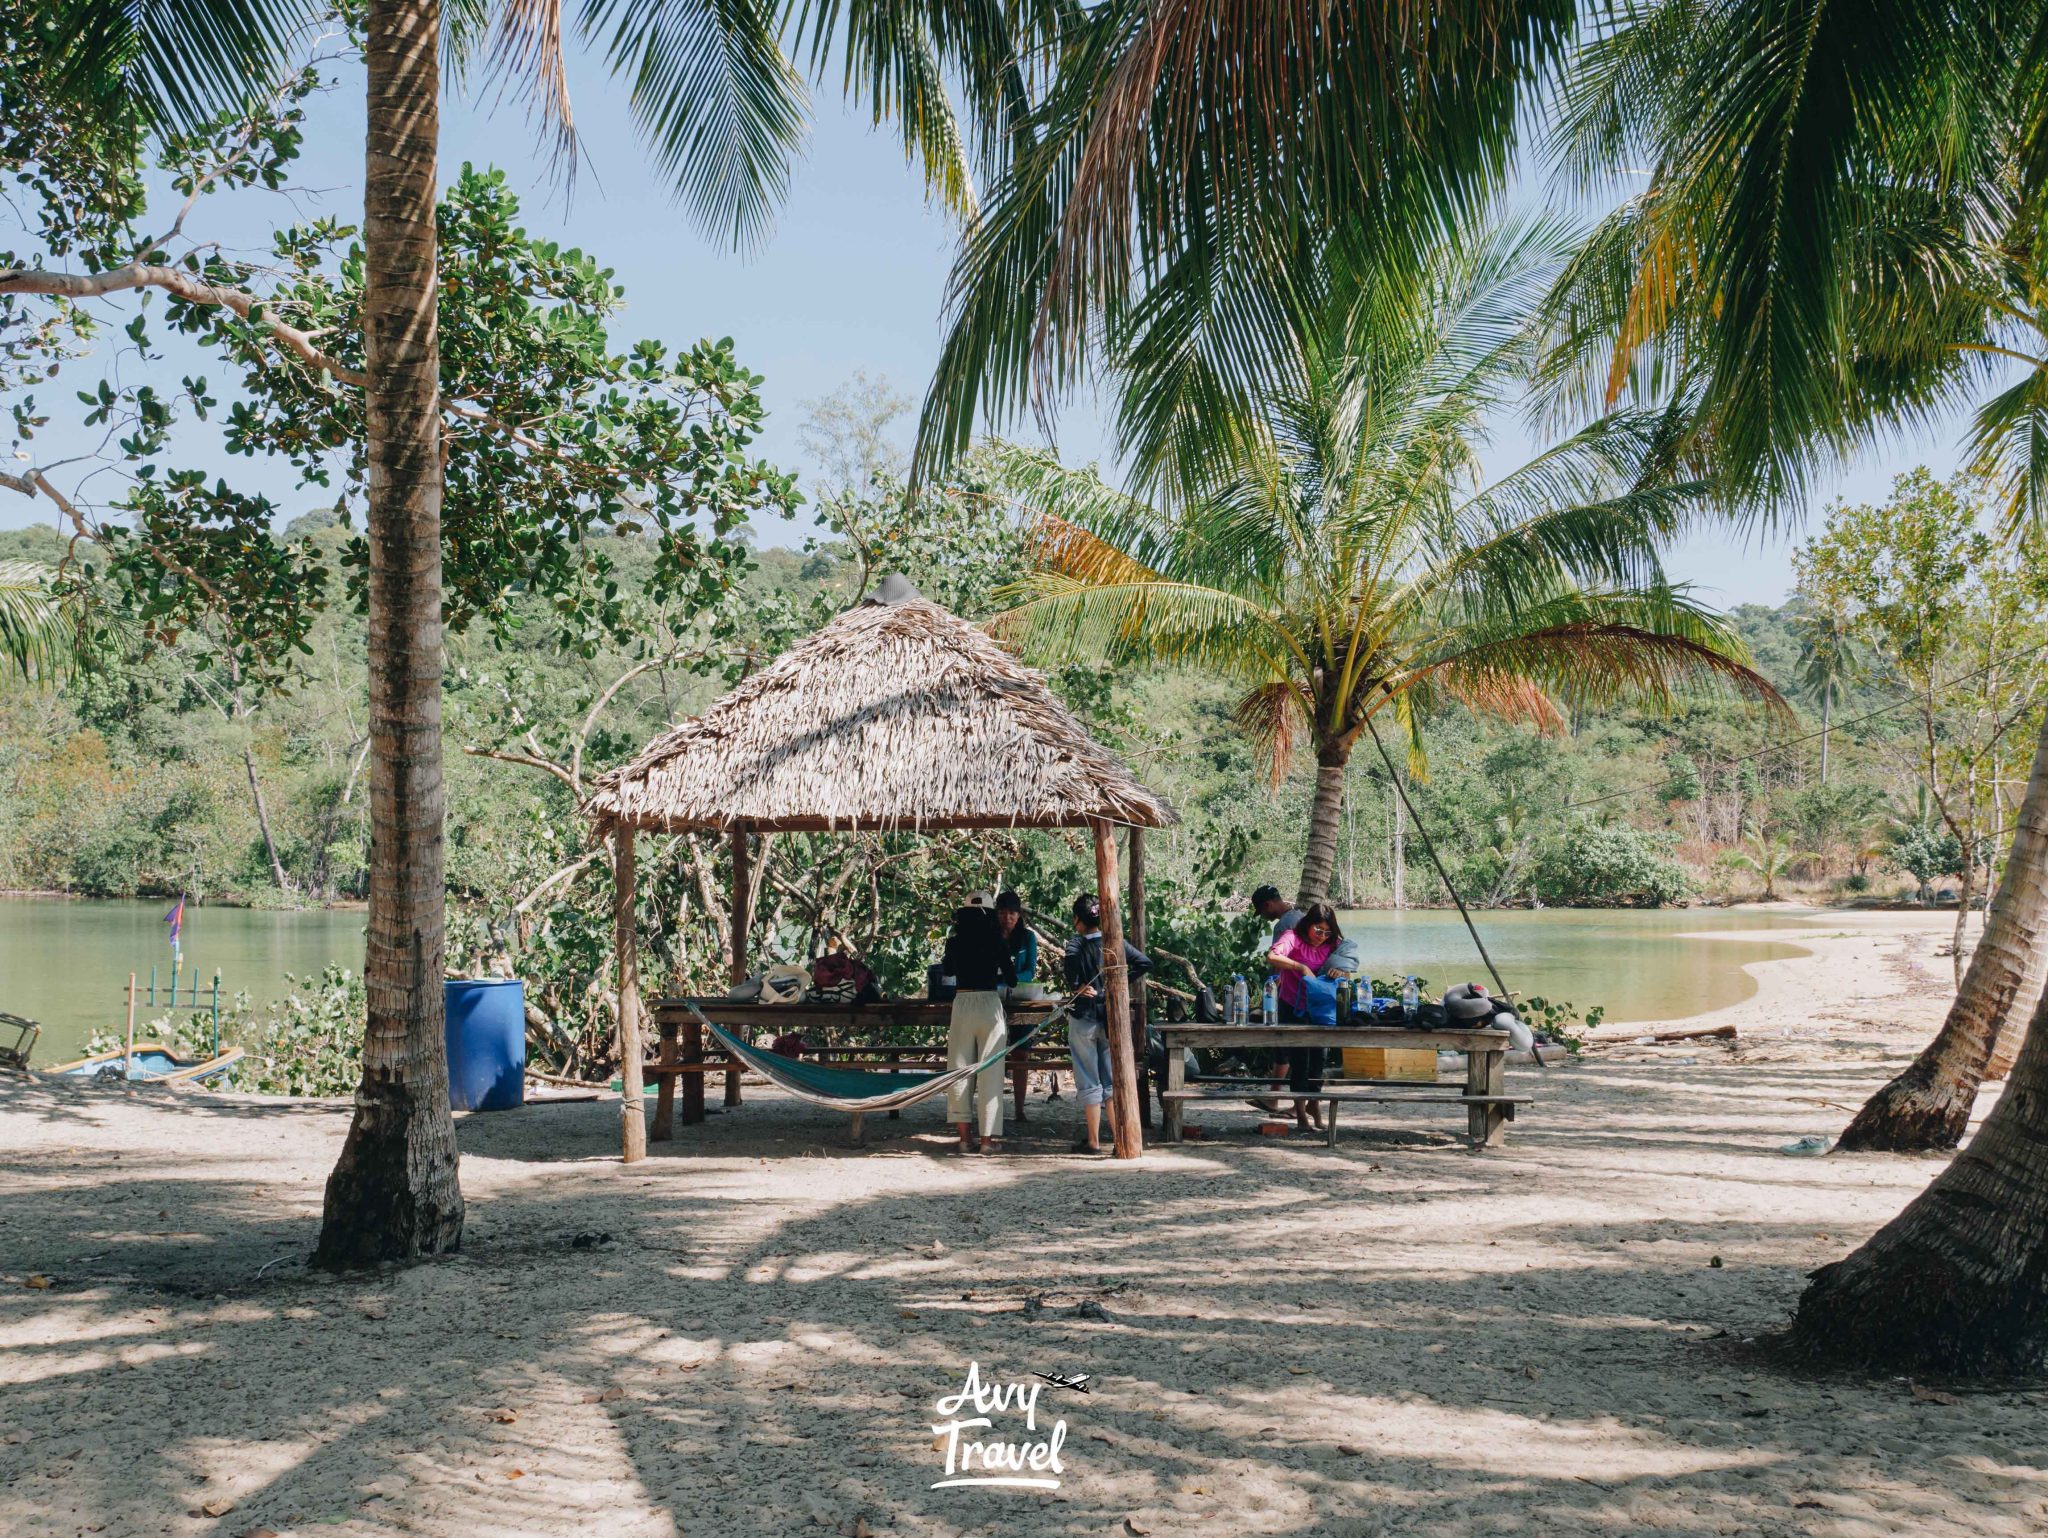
{"type": "Point", "coordinates": [1805, 263]}
{"type": "Point", "coordinates": [1827, 661]}
{"type": "Point", "coordinates": [723, 111]}
{"type": "Point", "coordinates": [1332, 547]}
{"type": "Point", "coordinates": [35, 639]}
{"type": "Point", "coordinates": [1769, 856]}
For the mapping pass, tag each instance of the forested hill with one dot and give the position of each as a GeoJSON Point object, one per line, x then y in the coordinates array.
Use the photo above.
{"type": "Point", "coordinates": [141, 774]}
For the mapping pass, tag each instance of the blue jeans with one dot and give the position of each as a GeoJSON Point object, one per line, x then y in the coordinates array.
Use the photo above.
{"type": "Point", "coordinates": [1088, 1041]}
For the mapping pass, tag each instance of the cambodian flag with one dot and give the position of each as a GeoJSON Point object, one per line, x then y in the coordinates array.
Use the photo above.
{"type": "Point", "coordinates": [176, 919]}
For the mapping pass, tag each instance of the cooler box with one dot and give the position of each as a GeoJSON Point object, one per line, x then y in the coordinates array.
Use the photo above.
{"type": "Point", "coordinates": [486, 1032]}
{"type": "Point", "coordinates": [1413, 1063]}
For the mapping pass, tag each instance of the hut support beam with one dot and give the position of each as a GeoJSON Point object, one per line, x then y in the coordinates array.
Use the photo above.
{"type": "Point", "coordinates": [1116, 993]}
{"type": "Point", "coordinates": [742, 916]}
{"type": "Point", "coordinates": [625, 941]}
{"type": "Point", "coordinates": [1138, 999]}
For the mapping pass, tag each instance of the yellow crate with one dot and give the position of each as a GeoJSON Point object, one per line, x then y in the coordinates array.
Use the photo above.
{"type": "Point", "coordinates": [1412, 1063]}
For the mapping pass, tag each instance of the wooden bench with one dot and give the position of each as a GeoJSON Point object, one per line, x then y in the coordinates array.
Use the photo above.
{"type": "Point", "coordinates": [1370, 1091]}
{"type": "Point", "coordinates": [1487, 1106]}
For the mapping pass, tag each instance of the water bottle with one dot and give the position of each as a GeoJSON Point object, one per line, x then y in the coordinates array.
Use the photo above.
{"type": "Point", "coordinates": [1239, 1010]}
{"type": "Point", "coordinates": [1411, 999]}
{"type": "Point", "coordinates": [1347, 1000]}
{"type": "Point", "coordinates": [1269, 1003]}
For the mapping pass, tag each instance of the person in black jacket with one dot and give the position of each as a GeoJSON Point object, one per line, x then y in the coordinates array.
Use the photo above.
{"type": "Point", "coordinates": [1087, 1024]}
{"type": "Point", "coordinates": [978, 959]}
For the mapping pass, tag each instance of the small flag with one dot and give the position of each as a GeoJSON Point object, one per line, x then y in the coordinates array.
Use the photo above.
{"type": "Point", "coordinates": [176, 919]}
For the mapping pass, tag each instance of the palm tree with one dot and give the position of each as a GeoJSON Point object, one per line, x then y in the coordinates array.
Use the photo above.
{"type": "Point", "coordinates": [1175, 150]}
{"type": "Point", "coordinates": [1827, 661]}
{"type": "Point", "coordinates": [1769, 855]}
{"type": "Point", "coordinates": [1828, 189]}
{"type": "Point", "coordinates": [35, 638]}
{"type": "Point", "coordinates": [1332, 549]}
{"type": "Point", "coordinates": [723, 110]}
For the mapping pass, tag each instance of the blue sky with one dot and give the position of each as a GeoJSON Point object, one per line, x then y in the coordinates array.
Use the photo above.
{"type": "Point", "coordinates": [852, 279]}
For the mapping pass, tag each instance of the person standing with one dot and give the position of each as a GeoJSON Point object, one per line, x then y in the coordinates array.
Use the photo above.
{"type": "Point", "coordinates": [1018, 936]}
{"type": "Point", "coordinates": [1301, 953]}
{"type": "Point", "coordinates": [978, 958]}
{"type": "Point", "coordinates": [1088, 1021]}
{"type": "Point", "coordinates": [1276, 910]}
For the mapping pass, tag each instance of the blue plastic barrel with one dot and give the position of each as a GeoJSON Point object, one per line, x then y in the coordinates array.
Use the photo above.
{"type": "Point", "coordinates": [486, 1043]}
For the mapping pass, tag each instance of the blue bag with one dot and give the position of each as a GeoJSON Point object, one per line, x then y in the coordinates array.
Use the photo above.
{"type": "Point", "coordinates": [1319, 1000]}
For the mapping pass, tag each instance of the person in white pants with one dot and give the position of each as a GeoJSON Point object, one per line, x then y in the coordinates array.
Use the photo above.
{"type": "Point", "coordinates": [978, 959]}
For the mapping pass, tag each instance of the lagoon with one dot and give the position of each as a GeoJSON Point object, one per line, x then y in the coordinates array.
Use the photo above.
{"type": "Point", "coordinates": [1637, 964]}
{"type": "Point", "coordinates": [66, 963]}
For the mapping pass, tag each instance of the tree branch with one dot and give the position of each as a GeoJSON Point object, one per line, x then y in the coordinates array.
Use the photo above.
{"type": "Point", "coordinates": [141, 275]}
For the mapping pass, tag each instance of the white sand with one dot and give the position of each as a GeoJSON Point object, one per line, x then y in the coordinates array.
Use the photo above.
{"type": "Point", "coordinates": [1400, 1337]}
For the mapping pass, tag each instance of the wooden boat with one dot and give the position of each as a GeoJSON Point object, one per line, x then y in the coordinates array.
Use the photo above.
{"type": "Point", "coordinates": [152, 1062]}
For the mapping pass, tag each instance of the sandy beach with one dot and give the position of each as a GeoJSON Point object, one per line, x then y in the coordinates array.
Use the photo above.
{"type": "Point", "coordinates": [751, 1332]}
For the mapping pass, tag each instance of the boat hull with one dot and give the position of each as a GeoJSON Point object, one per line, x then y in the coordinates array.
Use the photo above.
{"type": "Point", "coordinates": [152, 1063]}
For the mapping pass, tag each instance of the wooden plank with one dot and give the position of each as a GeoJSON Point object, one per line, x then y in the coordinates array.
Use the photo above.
{"type": "Point", "coordinates": [742, 919]}
{"type": "Point", "coordinates": [693, 1084]}
{"type": "Point", "coordinates": [665, 1098]}
{"type": "Point", "coordinates": [1459, 1098]}
{"type": "Point", "coordinates": [1116, 994]}
{"type": "Point", "coordinates": [897, 1012]}
{"type": "Point", "coordinates": [626, 944]}
{"type": "Point", "coordinates": [1447, 1039]}
{"type": "Point", "coordinates": [1485, 1078]}
{"type": "Point", "coordinates": [1136, 878]}
{"type": "Point", "coordinates": [1172, 1094]}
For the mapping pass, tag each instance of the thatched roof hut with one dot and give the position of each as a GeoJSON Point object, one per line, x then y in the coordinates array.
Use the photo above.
{"type": "Point", "coordinates": [897, 715]}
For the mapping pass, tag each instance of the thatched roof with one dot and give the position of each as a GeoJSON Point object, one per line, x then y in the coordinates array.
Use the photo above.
{"type": "Point", "coordinates": [897, 715]}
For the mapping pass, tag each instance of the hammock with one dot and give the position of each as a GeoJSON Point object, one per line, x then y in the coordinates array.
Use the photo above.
{"type": "Point", "coordinates": [859, 1090]}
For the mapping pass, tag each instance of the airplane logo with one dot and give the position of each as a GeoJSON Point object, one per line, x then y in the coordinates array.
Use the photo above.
{"type": "Point", "coordinates": [1078, 1381]}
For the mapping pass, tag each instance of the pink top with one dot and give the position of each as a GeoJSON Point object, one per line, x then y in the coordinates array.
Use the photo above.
{"type": "Point", "coordinates": [1295, 947]}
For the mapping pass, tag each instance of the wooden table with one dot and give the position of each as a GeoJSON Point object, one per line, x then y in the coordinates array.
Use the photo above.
{"type": "Point", "coordinates": [1482, 1094]}
{"type": "Point", "coordinates": [684, 1056]}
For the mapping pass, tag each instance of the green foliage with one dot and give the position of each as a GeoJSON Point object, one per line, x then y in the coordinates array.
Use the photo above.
{"type": "Point", "coordinates": [309, 1042]}
{"type": "Point", "coordinates": [1612, 865]}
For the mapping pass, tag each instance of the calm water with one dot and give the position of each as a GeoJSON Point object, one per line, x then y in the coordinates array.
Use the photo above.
{"type": "Point", "coordinates": [66, 964]}
{"type": "Point", "coordinates": [1639, 965]}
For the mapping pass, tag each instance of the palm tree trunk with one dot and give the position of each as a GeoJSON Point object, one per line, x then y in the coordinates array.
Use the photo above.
{"type": "Point", "coordinates": [394, 1192]}
{"type": "Point", "coordinates": [1319, 860]}
{"type": "Point", "coordinates": [1928, 1106]}
{"type": "Point", "coordinates": [1827, 711]}
{"type": "Point", "coordinates": [1958, 1282]}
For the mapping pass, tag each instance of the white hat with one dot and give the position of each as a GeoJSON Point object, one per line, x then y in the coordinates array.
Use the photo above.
{"type": "Point", "coordinates": [979, 900]}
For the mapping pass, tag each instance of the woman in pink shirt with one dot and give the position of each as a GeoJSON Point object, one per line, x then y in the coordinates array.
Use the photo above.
{"type": "Point", "coordinates": [1298, 954]}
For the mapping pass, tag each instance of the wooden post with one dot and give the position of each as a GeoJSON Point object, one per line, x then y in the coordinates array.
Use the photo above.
{"type": "Point", "coordinates": [742, 911]}
{"type": "Point", "coordinates": [665, 1092]}
{"type": "Point", "coordinates": [1116, 994]}
{"type": "Point", "coordinates": [626, 941]}
{"type": "Point", "coordinates": [128, 1063]}
{"type": "Point", "coordinates": [1138, 1020]}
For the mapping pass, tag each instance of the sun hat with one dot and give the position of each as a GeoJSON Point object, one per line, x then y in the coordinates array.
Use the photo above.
{"type": "Point", "coordinates": [979, 900]}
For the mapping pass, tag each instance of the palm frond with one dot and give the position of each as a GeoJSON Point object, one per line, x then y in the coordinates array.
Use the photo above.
{"type": "Point", "coordinates": [1273, 716]}
{"type": "Point", "coordinates": [36, 637]}
{"type": "Point", "coordinates": [722, 110]}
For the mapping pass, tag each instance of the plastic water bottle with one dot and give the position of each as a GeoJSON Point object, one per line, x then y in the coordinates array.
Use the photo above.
{"type": "Point", "coordinates": [1269, 1003]}
{"type": "Point", "coordinates": [1239, 1010]}
{"type": "Point", "coordinates": [1411, 999]}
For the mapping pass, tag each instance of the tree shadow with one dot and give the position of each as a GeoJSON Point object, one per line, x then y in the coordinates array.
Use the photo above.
{"type": "Point", "coordinates": [1408, 1340]}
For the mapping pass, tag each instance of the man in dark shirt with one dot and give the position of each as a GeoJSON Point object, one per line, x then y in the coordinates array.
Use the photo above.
{"type": "Point", "coordinates": [1276, 910]}
{"type": "Point", "coordinates": [1087, 1025]}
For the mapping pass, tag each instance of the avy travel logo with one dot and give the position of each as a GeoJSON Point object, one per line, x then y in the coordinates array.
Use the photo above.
{"type": "Point", "coordinates": [991, 1435]}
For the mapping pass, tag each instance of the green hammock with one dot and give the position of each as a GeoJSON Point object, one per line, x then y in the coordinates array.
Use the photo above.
{"type": "Point", "coordinates": [858, 1089]}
